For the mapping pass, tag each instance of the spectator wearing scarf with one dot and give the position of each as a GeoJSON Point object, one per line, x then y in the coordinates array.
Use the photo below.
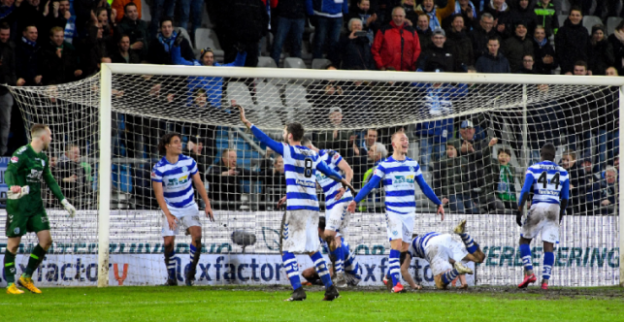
{"type": "Point", "coordinates": [436, 15]}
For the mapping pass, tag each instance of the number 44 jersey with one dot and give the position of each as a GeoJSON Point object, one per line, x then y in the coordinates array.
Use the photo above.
{"type": "Point", "coordinates": [548, 182]}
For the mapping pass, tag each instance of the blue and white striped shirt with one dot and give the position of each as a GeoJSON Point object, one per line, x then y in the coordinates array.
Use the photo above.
{"type": "Point", "coordinates": [177, 180]}
{"type": "Point", "coordinates": [417, 248]}
{"type": "Point", "coordinates": [399, 178]}
{"type": "Point", "coordinates": [300, 166]}
{"type": "Point", "coordinates": [330, 186]}
{"type": "Point", "coordinates": [548, 182]}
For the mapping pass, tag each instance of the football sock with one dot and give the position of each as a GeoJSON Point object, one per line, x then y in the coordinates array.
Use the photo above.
{"type": "Point", "coordinates": [170, 262]}
{"type": "Point", "coordinates": [36, 257]}
{"type": "Point", "coordinates": [292, 269]}
{"type": "Point", "coordinates": [394, 269]}
{"type": "Point", "coordinates": [549, 260]}
{"type": "Point", "coordinates": [525, 252]}
{"type": "Point", "coordinates": [194, 256]}
{"type": "Point", "coordinates": [471, 246]}
{"type": "Point", "coordinates": [321, 269]}
{"type": "Point", "coordinates": [9, 267]}
{"type": "Point", "coordinates": [449, 276]}
{"type": "Point", "coordinates": [338, 254]}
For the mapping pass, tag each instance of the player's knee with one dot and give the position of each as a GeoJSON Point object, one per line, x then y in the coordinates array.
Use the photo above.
{"type": "Point", "coordinates": [13, 248]}
{"type": "Point", "coordinates": [197, 241]}
{"type": "Point", "coordinates": [46, 244]}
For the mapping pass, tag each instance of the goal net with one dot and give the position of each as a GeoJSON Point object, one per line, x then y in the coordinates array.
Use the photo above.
{"type": "Point", "coordinates": [473, 135]}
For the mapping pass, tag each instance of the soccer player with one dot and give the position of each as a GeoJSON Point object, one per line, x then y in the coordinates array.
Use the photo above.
{"type": "Point", "coordinates": [173, 178]}
{"type": "Point", "coordinates": [25, 209]}
{"type": "Point", "coordinates": [445, 255]}
{"type": "Point", "coordinates": [336, 201]}
{"type": "Point", "coordinates": [352, 270]}
{"type": "Point", "coordinates": [302, 210]}
{"type": "Point", "coordinates": [399, 174]}
{"type": "Point", "coordinates": [549, 184]}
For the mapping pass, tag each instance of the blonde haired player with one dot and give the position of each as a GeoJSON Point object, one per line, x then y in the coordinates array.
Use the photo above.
{"type": "Point", "coordinates": [399, 174]}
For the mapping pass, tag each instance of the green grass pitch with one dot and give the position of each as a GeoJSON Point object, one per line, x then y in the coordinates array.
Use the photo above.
{"type": "Point", "coordinates": [242, 303]}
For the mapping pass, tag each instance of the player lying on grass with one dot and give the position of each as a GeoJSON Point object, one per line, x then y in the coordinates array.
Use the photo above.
{"type": "Point", "coordinates": [549, 183]}
{"type": "Point", "coordinates": [399, 175]}
{"type": "Point", "coordinates": [337, 199]}
{"type": "Point", "coordinates": [302, 208]}
{"type": "Point", "coordinates": [445, 255]}
{"type": "Point", "coordinates": [173, 178]}
{"type": "Point", "coordinates": [352, 270]}
{"type": "Point", "coordinates": [25, 208]}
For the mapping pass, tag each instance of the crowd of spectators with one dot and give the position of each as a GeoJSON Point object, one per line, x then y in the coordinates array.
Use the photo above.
{"type": "Point", "coordinates": [61, 41]}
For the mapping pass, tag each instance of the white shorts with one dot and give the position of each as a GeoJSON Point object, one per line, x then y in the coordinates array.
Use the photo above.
{"type": "Point", "coordinates": [187, 217]}
{"type": "Point", "coordinates": [400, 226]}
{"type": "Point", "coordinates": [440, 249]}
{"type": "Point", "coordinates": [337, 219]}
{"type": "Point", "coordinates": [542, 218]}
{"type": "Point", "coordinates": [300, 231]}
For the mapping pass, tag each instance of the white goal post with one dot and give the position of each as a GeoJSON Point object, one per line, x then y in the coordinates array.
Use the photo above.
{"type": "Point", "coordinates": [106, 109]}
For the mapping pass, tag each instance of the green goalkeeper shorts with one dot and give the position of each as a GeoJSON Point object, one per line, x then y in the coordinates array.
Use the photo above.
{"type": "Point", "coordinates": [35, 220]}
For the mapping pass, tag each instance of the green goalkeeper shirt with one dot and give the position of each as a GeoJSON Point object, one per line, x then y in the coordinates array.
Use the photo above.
{"type": "Point", "coordinates": [26, 168]}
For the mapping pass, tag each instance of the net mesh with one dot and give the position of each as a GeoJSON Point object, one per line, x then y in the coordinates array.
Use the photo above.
{"type": "Point", "coordinates": [472, 141]}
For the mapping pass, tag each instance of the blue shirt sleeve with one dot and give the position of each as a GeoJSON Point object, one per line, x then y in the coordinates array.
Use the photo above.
{"type": "Point", "coordinates": [526, 188]}
{"type": "Point", "coordinates": [565, 190]}
{"type": "Point", "coordinates": [241, 57]}
{"type": "Point", "coordinates": [372, 184]}
{"type": "Point", "coordinates": [427, 190]}
{"type": "Point", "coordinates": [274, 145]}
{"type": "Point", "coordinates": [309, 8]}
{"type": "Point", "coordinates": [322, 166]}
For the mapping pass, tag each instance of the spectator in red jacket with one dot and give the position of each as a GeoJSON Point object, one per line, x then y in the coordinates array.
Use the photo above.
{"type": "Point", "coordinates": [396, 44]}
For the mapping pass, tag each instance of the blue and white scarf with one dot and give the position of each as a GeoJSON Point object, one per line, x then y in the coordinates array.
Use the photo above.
{"type": "Point", "coordinates": [33, 44]}
{"type": "Point", "coordinates": [433, 19]}
{"type": "Point", "coordinates": [458, 9]}
{"type": "Point", "coordinates": [167, 42]}
{"type": "Point", "coordinates": [541, 43]}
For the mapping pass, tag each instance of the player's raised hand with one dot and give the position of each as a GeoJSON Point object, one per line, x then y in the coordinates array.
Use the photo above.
{"type": "Point", "coordinates": [70, 209]}
{"type": "Point", "coordinates": [440, 212]}
{"type": "Point", "coordinates": [209, 213]}
{"type": "Point", "coordinates": [351, 207]}
{"type": "Point", "coordinates": [241, 111]}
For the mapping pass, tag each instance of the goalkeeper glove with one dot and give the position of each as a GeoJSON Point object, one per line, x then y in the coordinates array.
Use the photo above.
{"type": "Point", "coordinates": [23, 191]}
{"type": "Point", "coordinates": [519, 218]}
{"type": "Point", "coordinates": [70, 209]}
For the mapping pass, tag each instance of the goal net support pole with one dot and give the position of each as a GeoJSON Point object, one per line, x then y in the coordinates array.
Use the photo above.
{"type": "Point", "coordinates": [104, 180]}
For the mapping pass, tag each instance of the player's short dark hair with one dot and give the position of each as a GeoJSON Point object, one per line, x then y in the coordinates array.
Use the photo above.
{"type": "Point", "coordinates": [128, 5]}
{"type": "Point", "coordinates": [504, 151]}
{"type": "Point", "coordinates": [296, 129]}
{"type": "Point", "coordinates": [548, 152]}
{"type": "Point", "coordinates": [321, 224]}
{"type": "Point", "coordinates": [37, 128]}
{"type": "Point", "coordinates": [166, 139]}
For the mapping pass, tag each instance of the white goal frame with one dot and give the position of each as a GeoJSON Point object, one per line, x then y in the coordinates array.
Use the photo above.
{"type": "Point", "coordinates": [105, 113]}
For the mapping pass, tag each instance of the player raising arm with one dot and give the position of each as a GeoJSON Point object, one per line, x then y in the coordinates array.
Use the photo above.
{"type": "Point", "coordinates": [399, 174]}
{"type": "Point", "coordinates": [302, 209]}
{"type": "Point", "coordinates": [549, 183]}
{"type": "Point", "coordinates": [25, 208]}
{"type": "Point", "coordinates": [173, 178]}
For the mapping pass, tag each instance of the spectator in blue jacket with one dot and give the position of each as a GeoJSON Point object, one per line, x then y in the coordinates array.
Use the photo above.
{"type": "Point", "coordinates": [434, 134]}
{"type": "Point", "coordinates": [212, 85]}
{"type": "Point", "coordinates": [328, 16]}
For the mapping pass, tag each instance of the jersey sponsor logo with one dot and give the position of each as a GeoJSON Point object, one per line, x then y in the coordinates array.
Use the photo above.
{"type": "Point", "coordinates": [154, 175]}
{"type": "Point", "coordinates": [34, 174]}
{"type": "Point", "coordinates": [14, 159]}
{"type": "Point", "coordinates": [548, 192]}
{"type": "Point", "coordinates": [178, 181]}
{"type": "Point", "coordinates": [305, 183]}
{"type": "Point", "coordinates": [403, 179]}
{"type": "Point", "coordinates": [336, 156]}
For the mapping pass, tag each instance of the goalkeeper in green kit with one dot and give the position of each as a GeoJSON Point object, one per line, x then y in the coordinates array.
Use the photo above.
{"type": "Point", "coordinates": [25, 209]}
